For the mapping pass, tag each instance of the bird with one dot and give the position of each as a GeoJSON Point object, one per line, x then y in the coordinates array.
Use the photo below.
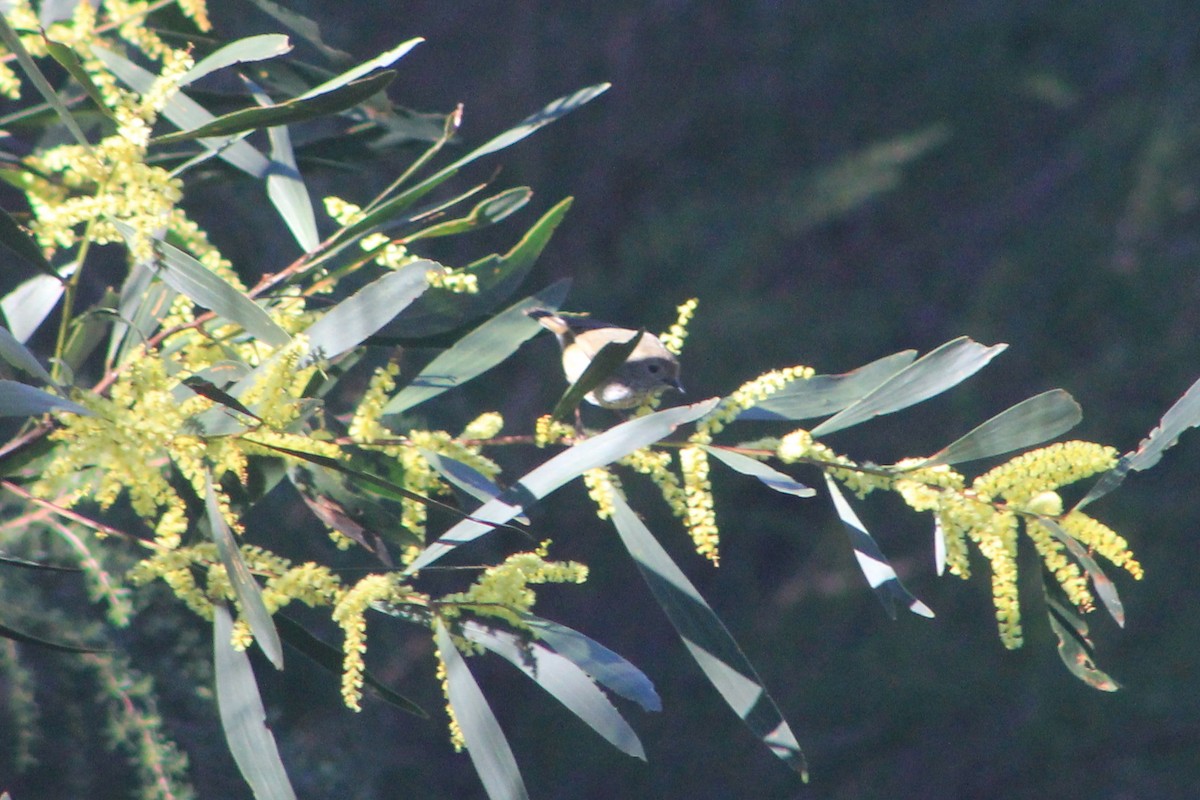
{"type": "Point", "coordinates": [650, 369]}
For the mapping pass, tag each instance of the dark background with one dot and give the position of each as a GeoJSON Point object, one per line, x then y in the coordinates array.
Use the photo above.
{"type": "Point", "coordinates": [835, 181]}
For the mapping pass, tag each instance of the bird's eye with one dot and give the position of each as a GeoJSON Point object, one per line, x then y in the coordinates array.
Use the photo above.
{"type": "Point", "coordinates": [653, 368]}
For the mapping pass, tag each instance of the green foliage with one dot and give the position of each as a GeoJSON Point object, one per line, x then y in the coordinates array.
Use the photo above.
{"type": "Point", "coordinates": [146, 460]}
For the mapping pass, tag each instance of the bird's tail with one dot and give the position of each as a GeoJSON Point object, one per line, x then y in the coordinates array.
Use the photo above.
{"type": "Point", "coordinates": [550, 321]}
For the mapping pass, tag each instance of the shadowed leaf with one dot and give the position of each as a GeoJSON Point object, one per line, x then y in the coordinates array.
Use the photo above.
{"type": "Point", "coordinates": [1029, 422]}
{"type": "Point", "coordinates": [822, 395]}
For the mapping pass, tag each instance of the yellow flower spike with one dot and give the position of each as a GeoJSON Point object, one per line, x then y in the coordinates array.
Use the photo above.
{"type": "Point", "coordinates": [349, 614]}
{"type": "Point", "coordinates": [503, 591]}
{"type": "Point", "coordinates": [547, 432]}
{"type": "Point", "coordinates": [701, 519]}
{"type": "Point", "coordinates": [998, 543]}
{"type": "Point", "coordinates": [747, 396]}
{"type": "Point", "coordinates": [600, 483]}
{"type": "Point", "coordinates": [657, 465]}
{"type": "Point", "coordinates": [456, 734]}
{"type": "Point", "coordinates": [1104, 540]}
{"type": "Point", "coordinates": [342, 211]}
{"type": "Point", "coordinates": [366, 425]}
{"type": "Point", "coordinates": [1066, 572]}
{"type": "Point", "coordinates": [486, 426]}
{"type": "Point", "coordinates": [676, 335]}
{"type": "Point", "coordinates": [1045, 469]}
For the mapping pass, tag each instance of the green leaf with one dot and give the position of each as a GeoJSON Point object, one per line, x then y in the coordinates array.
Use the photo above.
{"type": "Point", "coordinates": [606, 361]}
{"type": "Point", "coordinates": [928, 376]}
{"type": "Point", "coordinates": [20, 562]}
{"type": "Point", "coordinates": [563, 680]}
{"type": "Point", "coordinates": [385, 59]}
{"type": "Point", "coordinates": [16, 239]}
{"type": "Point", "coordinates": [329, 658]}
{"type": "Point", "coordinates": [27, 306]}
{"type": "Point", "coordinates": [19, 356]}
{"type": "Point", "coordinates": [300, 109]}
{"type": "Point", "coordinates": [465, 478]}
{"type": "Point", "coordinates": [71, 63]}
{"type": "Point", "coordinates": [1031, 421]}
{"type": "Point", "coordinates": [598, 451]}
{"type": "Point", "coordinates": [21, 400]}
{"type": "Point", "coordinates": [1184, 413]}
{"type": "Point", "coordinates": [285, 184]}
{"type": "Point", "coordinates": [243, 718]}
{"type": "Point", "coordinates": [771, 477]}
{"type": "Point", "coordinates": [821, 395]}
{"type": "Point", "coordinates": [603, 665]}
{"type": "Point", "coordinates": [1074, 647]}
{"type": "Point", "coordinates": [303, 27]}
{"type": "Point", "coordinates": [477, 352]}
{"type": "Point", "coordinates": [498, 275]}
{"type": "Point", "coordinates": [189, 277]}
{"type": "Point", "coordinates": [187, 114]}
{"type": "Point", "coordinates": [350, 322]}
{"type": "Point", "coordinates": [252, 48]}
{"type": "Point", "coordinates": [707, 639]}
{"type": "Point", "coordinates": [486, 745]}
{"type": "Point", "coordinates": [13, 42]}
{"type": "Point", "coordinates": [248, 592]}
{"type": "Point", "coordinates": [1106, 590]}
{"type": "Point", "coordinates": [488, 212]}
{"type": "Point", "coordinates": [25, 638]}
{"type": "Point", "coordinates": [875, 567]}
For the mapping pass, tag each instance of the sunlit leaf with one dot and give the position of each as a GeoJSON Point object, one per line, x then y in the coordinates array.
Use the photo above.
{"type": "Point", "coordinates": [249, 593]}
{"type": "Point", "coordinates": [285, 184]}
{"type": "Point", "coordinates": [477, 352]}
{"type": "Point", "coordinates": [1030, 422]}
{"type": "Point", "coordinates": [252, 48]}
{"type": "Point", "coordinates": [353, 75]}
{"type": "Point", "coordinates": [22, 400]}
{"type": "Point", "coordinates": [779, 481]}
{"type": "Point", "coordinates": [930, 375]}
{"type": "Point", "coordinates": [300, 109]}
{"type": "Point", "coordinates": [14, 45]}
{"type": "Point", "coordinates": [350, 322]}
{"type": "Point", "coordinates": [187, 114]}
{"type": "Point", "coordinates": [1075, 648]}
{"type": "Point", "coordinates": [596, 451]}
{"type": "Point", "coordinates": [189, 277]}
{"type": "Point", "coordinates": [488, 212]}
{"type": "Point", "coordinates": [66, 57]}
{"type": "Point", "coordinates": [486, 745]}
{"type": "Point", "coordinates": [330, 659]}
{"type": "Point", "coordinates": [465, 478]}
{"type": "Point", "coordinates": [874, 565]}
{"type": "Point", "coordinates": [17, 355]}
{"type": "Point", "coordinates": [1183, 414]}
{"type": "Point", "coordinates": [303, 27]}
{"type": "Point", "coordinates": [606, 667]}
{"type": "Point", "coordinates": [564, 681]}
{"type": "Point", "coordinates": [707, 639]}
{"type": "Point", "coordinates": [27, 306]}
{"type": "Point", "coordinates": [242, 715]}
{"type": "Point", "coordinates": [822, 395]}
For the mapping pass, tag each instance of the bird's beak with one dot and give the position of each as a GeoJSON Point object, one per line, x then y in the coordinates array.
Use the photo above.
{"type": "Point", "coordinates": [677, 386]}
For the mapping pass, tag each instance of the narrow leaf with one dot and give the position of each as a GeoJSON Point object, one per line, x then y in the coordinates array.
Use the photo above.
{"type": "Point", "coordinates": [597, 451]}
{"type": "Point", "coordinates": [15, 46]}
{"type": "Point", "coordinates": [252, 48]}
{"type": "Point", "coordinates": [300, 109]}
{"type": "Point", "coordinates": [27, 306]}
{"type": "Point", "coordinates": [242, 716]}
{"type": "Point", "coordinates": [330, 658]}
{"type": "Point", "coordinates": [477, 352]}
{"type": "Point", "coordinates": [822, 395]}
{"type": "Point", "coordinates": [350, 322]}
{"type": "Point", "coordinates": [66, 57]}
{"type": "Point", "coordinates": [303, 27]}
{"type": "Point", "coordinates": [1106, 590]}
{"type": "Point", "coordinates": [879, 573]}
{"type": "Point", "coordinates": [771, 477]}
{"type": "Point", "coordinates": [353, 75]}
{"type": "Point", "coordinates": [20, 562]}
{"type": "Point", "coordinates": [249, 593]}
{"type": "Point", "coordinates": [1075, 648]}
{"type": "Point", "coordinates": [187, 114]}
{"type": "Point", "coordinates": [189, 277]}
{"type": "Point", "coordinates": [606, 361]}
{"type": "Point", "coordinates": [285, 184]}
{"type": "Point", "coordinates": [926, 377]}
{"type": "Point", "coordinates": [489, 212]}
{"type": "Point", "coordinates": [465, 478]}
{"type": "Point", "coordinates": [21, 400]}
{"type": "Point", "coordinates": [19, 356]}
{"type": "Point", "coordinates": [564, 681]}
{"type": "Point", "coordinates": [1183, 414]}
{"type": "Point", "coordinates": [707, 638]}
{"type": "Point", "coordinates": [486, 745]}
{"type": "Point", "coordinates": [603, 665]}
{"type": "Point", "coordinates": [1029, 422]}
{"type": "Point", "coordinates": [15, 238]}
{"type": "Point", "coordinates": [24, 638]}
